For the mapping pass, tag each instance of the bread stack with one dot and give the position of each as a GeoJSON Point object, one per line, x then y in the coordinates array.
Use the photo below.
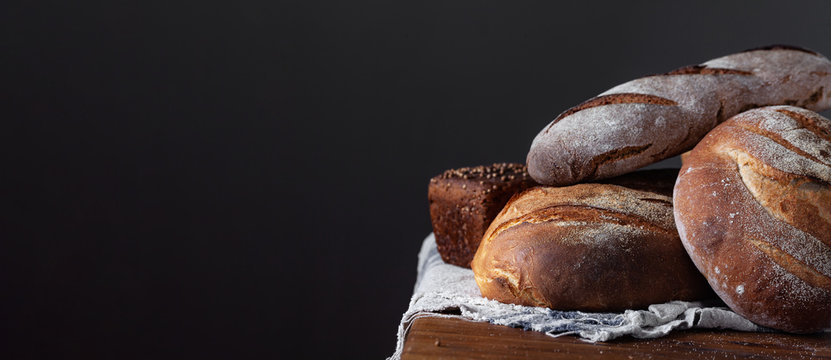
{"type": "Point", "coordinates": [750, 210]}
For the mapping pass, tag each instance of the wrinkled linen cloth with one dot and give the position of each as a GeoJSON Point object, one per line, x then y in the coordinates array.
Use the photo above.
{"type": "Point", "coordinates": [444, 290]}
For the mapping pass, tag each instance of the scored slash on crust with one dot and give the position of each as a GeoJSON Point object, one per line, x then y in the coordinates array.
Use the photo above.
{"type": "Point", "coordinates": [704, 70]}
{"type": "Point", "coordinates": [805, 122]}
{"type": "Point", "coordinates": [791, 264]}
{"type": "Point", "coordinates": [779, 140]}
{"type": "Point", "coordinates": [615, 155]}
{"type": "Point", "coordinates": [634, 98]}
{"type": "Point", "coordinates": [809, 123]}
{"type": "Point", "coordinates": [585, 213]}
{"type": "Point", "coordinates": [622, 98]}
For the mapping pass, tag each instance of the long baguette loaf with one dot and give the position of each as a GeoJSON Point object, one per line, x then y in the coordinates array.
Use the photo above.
{"type": "Point", "coordinates": [657, 117]}
{"type": "Point", "coordinates": [753, 209]}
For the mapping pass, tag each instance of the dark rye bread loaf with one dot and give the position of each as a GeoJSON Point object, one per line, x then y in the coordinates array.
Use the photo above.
{"type": "Point", "coordinates": [463, 202]}
{"type": "Point", "coordinates": [653, 118]}
{"type": "Point", "coordinates": [753, 208]}
{"type": "Point", "coordinates": [589, 247]}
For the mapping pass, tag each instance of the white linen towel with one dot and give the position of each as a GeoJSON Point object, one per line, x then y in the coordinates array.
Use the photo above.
{"type": "Point", "coordinates": [445, 290]}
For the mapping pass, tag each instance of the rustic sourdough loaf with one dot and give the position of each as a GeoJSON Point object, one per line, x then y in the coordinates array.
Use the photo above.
{"type": "Point", "coordinates": [591, 247]}
{"type": "Point", "coordinates": [657, 117]}
{"type": "Point", "coordinates": [753, 208]}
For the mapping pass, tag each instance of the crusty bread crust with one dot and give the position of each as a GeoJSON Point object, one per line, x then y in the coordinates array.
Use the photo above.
{"type": "Point", "coordinates": [653, 118]}
{"type": "Point", "coordinates": [590, 247]}
{"type": "Point", "coordinates": [753, 208]}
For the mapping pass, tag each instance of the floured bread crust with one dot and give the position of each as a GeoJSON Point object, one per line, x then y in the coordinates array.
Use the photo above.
{"type": "Point", "coordinates": [653, 118]}
{"type": "Point", "coordinates": [753, 208]}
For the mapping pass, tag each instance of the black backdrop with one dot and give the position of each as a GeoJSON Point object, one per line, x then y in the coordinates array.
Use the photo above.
{"type": "Point", "coordinates": [248, 179]}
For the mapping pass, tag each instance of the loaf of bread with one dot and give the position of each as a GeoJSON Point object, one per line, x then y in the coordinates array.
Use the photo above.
{"type": "Point", "coordinates": [463, 202]}
{"type": "Point", "coordinates": [753, 208]}
{"type": "Point", "coordinates": [657, 117]}
{"type": "Point", "coordinates": [590, 247]}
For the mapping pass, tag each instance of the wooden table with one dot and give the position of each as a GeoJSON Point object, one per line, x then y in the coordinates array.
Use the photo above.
{"type": "Point", "coordinates": [442, 338]}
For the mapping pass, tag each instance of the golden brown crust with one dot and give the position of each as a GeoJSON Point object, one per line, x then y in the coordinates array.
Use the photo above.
{"type": "Point", "coordinates": [753, 208]}
{"type": "Point", "coordinates": [591, 247]}
{"type": "Point", "coordinates": [464, 201]}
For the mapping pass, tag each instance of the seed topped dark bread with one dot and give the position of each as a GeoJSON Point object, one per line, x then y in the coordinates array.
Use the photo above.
{"type": "Point", "coordinates": [464, 201]}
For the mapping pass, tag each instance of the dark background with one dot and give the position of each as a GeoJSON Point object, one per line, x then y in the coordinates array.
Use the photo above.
{"type": "Point", "coordinates": [248, 179]}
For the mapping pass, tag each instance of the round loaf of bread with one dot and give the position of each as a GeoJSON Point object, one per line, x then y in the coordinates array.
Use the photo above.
{"type": "Point", "coordinates": [753, 208]}
{"type": "Point", "coordinates": [590, 247]}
